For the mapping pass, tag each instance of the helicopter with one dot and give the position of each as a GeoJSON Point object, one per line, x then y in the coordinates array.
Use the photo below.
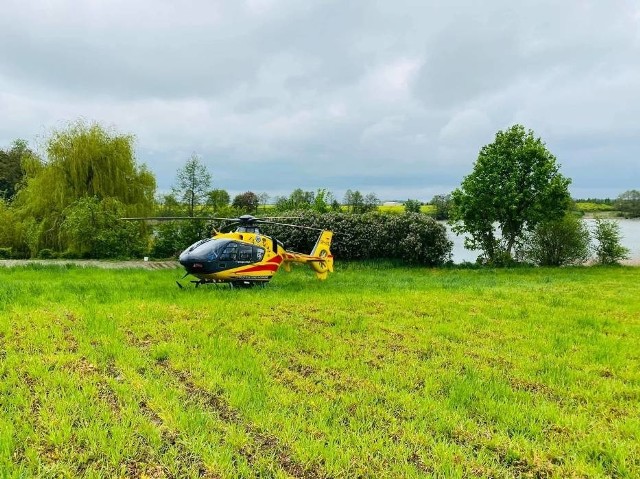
{"type": "Point", "coordinates": [246, 257]}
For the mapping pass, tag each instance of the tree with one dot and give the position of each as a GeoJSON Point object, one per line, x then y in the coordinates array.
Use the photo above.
{"type": "Point", "coordinates": [193, 183]}
{"type": "Point", "coordinates": [246, 202]}
{"type": "Point", "coordinates": [443, 205]}
{"type": "Point", "coordinates": [629, 203]}
{"type": "Point", "coordinates": [370, 203]}
{"type": "Point", "coordinates": [322, 200]}
{"type": "Point", "coordinates": [300, 199]}
{"type": "Point", "coordinates": [11, 169]}
{"type": "Point", "coordinates": [84, 161]}
{"type": "Point", "coordinates": [89, 227]}
{"type": "Point", "coordinates": [281, 203]}
{"type": "Point", "coordinates": [218, 199]}
{"type": "Point", "coordinates": [608, 248]}
{"type": "Point", "coordinates": [412, 206]}
{"type": "Point", "coordinates": [10, 227]}
{"type": "Point", "coordinates": [263, 198]}
{"type": "Point", "coordinates": [558, 242]}
{"type": "Point", "coordinates": [168, 205]}
{"type": "Point", "coordinates": [515, 185]}
{"type": "Point", "coordinates": [354, 201]}
{"type": "Point", "coordinates": [297, 200]}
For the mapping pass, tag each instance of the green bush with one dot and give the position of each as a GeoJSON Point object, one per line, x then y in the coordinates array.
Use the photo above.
{"type": "Point", "coordinates": [558, 243]}
{"type": "Point", "coordinates": [173, 237]}
{"type": "Point", "coordinates": [5, 253]}
{"type": "Point", "coordinates": [93, 230]}
{"type": "Point", "coordinates": [413, 238]}
{"type": "Point", "coordinates": [412, 206]}
{"type": "Point", "coordinates": [608, 248]}
{"type": "Point", "coordinates": [46, 253]}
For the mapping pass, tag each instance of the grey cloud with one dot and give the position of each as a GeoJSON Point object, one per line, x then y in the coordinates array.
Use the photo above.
{"type": "Point", "coordinates": [277, 94]}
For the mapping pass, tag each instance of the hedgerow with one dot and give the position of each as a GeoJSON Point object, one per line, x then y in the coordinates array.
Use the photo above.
{"type": "Point", "coordinates": [413, 238]}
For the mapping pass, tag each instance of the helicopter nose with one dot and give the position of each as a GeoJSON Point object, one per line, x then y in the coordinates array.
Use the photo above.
{"type": "Point", "coordinates": [196, 265]}
{"type": "Point", "coordinates": [199, 260]}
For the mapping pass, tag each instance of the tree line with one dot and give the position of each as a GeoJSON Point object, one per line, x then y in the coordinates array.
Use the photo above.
{"type": "Point", "coordinates": [70, 203]}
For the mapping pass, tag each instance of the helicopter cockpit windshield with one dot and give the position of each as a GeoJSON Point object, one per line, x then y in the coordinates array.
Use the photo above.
{"type": "Point", "coordinates": [222, 250]}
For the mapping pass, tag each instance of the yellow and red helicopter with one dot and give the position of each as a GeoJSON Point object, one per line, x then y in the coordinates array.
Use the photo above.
{"type": "Point", "coordinates": [246, 257]}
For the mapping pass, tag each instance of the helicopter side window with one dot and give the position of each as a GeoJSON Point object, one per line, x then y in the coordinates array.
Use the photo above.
{"type": "Point", "coordinates": [258, 253]}
{"type": "Point", "coordinates": [230, 252]}
{"type": "Point", "coordinates": [244, 252]}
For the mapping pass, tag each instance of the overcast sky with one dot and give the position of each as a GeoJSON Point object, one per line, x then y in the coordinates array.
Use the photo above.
{"type": "Point", "coordinates": [394, 97]}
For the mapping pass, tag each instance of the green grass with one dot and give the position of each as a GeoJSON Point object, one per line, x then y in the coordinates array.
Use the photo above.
{"type": "Point", "coordinates": [377, 372]}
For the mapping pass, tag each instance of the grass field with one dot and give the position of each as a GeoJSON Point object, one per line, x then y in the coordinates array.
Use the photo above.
{"type": "Point", "coordinates": [399, 209]}
{"type": "Point", "coordinates": [377, 372]}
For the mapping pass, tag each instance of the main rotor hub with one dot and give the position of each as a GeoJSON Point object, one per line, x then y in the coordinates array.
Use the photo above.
{"type": "Point", "coordinates": [247, 220]}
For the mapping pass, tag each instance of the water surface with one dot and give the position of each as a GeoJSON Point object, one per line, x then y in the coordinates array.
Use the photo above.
{"type": "Point", "coordinates": [629, 229]}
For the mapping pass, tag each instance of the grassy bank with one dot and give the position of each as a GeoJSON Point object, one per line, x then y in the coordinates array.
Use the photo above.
{"type": "Point", "coordinates": [376, 372]}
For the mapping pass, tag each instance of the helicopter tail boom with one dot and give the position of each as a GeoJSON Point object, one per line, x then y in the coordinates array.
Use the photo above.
{"type": "Point", "coordinates": [320, 260]}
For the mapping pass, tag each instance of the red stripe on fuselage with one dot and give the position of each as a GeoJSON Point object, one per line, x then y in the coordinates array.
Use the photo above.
{"type": "Point", "coordinates": [262, 267]}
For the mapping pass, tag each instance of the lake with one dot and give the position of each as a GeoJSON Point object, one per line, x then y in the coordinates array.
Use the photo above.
{"type": "Point", "coordinates": [629, 229]}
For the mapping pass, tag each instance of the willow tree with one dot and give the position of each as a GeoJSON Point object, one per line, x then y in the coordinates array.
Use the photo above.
{"type": "Point", "coordinates": [83, 161]}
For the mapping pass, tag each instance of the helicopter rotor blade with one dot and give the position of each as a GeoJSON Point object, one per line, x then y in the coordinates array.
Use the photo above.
{"type": "Point", "coordinates": [175, 218]}
{"type": "Point", "coordinates": [292, 225]}
{"type": "Point", "coordinates": [230, 225]}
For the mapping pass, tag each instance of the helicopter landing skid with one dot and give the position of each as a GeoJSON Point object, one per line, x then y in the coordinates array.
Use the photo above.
{"type": "Point", "coordinates": [198, 282]}
{"type": "Point", "coordinates": [247, 284]}
{"type": "Point", "coordinates": [232, 284]}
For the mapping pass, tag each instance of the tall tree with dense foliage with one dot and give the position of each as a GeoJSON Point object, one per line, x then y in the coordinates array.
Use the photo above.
{"type": "Point", "coordinates": [83, 161]}
{"type": "Point", "coordinates": [515, 185]}
{"type": "Point", "coordinates": [193, 184]}
{"type": "Point", "coordinates": [246, 202]}
{"type": "Point", "coordinates": [218, 199]}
